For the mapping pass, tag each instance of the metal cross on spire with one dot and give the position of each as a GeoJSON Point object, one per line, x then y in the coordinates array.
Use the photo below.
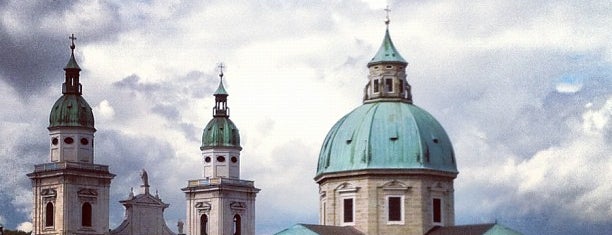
{"type": "Point", "coordinates": [72, 38]}
{"type": "Point", "coordinates": [387, 20]}
{"type": "Point", "coordinates": [221, 66]}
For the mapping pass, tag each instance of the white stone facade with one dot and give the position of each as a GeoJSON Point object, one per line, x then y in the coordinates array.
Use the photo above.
{"type": "Point", "coordinates": [71, 144]}
{"type": "Point", "coordinates": [73, 195]}
{"type": "Point", "coordinates": [221, 162]}
{"type": "Point", "coordinates": [370, 191]}
{"type": "Point", "coordinates": [214, 204]}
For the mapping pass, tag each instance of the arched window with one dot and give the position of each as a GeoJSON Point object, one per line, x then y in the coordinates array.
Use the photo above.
{"type": "Point", "coordinates": [237, 224]}
{"type": "Point", "coordinates": [49, 214]}
{"type": "Point", "coordinates": [203, 224]}
{"type": "Point", "coordinates": [86, 215]}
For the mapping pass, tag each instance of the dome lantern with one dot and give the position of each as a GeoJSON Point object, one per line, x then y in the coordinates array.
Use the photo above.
{"type": "Point", "coordinates": [387, 74]}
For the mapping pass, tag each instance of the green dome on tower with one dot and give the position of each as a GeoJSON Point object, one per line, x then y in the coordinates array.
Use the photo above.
{"type": "Point", "coordinates": [71, 110]}
{"type": "Point", "coordinates": [220, 131]}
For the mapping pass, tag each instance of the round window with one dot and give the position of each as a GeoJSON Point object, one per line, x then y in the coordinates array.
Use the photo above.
{"type": "Point", "coordinates": [221, 159]}
{"type": "Point", "coordinates": [84, 141]}
{"type": "Point", "coordinates": [234, 159]}
{"type": "Point", "coordinates": [207, 159]}
{"type": "Point", "coordinates": [69, 140]}
{"type": "Point", "coordinates": [54, 141]}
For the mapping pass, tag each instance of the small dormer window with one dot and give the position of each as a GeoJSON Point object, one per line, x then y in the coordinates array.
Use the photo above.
{"type": "Point", "coordinates": [376, 85]}
{"type": "Point", "coordinates": [389, 85]}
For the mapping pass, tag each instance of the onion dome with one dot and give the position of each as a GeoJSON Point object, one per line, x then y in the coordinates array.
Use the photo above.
{"type": "Point", "coordinates": [71, 110]}
{"type": "Point", "coordinates": [220, 131]}
{"type": "Point", "coordinates": [387, 131]}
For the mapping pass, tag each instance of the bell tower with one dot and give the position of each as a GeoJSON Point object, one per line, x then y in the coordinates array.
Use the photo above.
{"type": "Point", "coordinates": [71, 193]}
{"type": "Point", "coordinates": [221, 202]}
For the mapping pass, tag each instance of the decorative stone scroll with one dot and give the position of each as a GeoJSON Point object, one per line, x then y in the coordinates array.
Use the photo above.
{"type": "Point", "coordinates": [203, 207]}
{"type": "Point", "coordinates": [48, 195]}
{"type": "Point", "coordinates": [87, 195]}
{"type": "Point", "coordinates": [238, 206]}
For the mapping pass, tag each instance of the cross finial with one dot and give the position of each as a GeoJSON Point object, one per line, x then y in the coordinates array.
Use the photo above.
{"type": "Point", "coordinates": [387, 20]}
{"type": "Point", "coordinates": [221, 66]}
{"type": "Point", "coordinates": [72, 38]}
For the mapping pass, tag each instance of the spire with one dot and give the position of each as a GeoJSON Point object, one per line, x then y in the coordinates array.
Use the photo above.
{"type": "Point", "coordinates": [72, 64]}
{"type": "Point", "coordinates": [220, 90]}
{"type": "Point", "coordinates": [72, 70]}
{"type": "Point", "coordinates": [387, 51]}
{"type": "Point", "coordinates": [221, 109]}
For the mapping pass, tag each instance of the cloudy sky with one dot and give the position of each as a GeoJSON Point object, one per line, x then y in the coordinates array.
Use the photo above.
{"type": "Point", "coordinates": [523, 88]}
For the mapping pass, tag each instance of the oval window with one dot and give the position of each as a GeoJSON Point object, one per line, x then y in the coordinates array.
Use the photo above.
{"type": "Point", "coordinates": [207, 159]}
{"type": "Point", "coordinates": [54, 141]}
{"type": "Point", "coordinates": [69, 140]}
{"type": "Point", "coordinates": [84, 141]}
{"type": "Point", "coordinates": [234, 159]}
{"type": "Point", "coordinates": [221, 159]}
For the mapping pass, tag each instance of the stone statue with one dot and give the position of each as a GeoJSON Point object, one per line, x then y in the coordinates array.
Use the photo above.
{"type": "Point", "coordinates": [145, 178]}
{"type": "Point", "coordinates": [180, 226]}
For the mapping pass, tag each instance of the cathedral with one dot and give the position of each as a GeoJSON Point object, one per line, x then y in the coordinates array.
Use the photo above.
{"type": "Point", "coordinates": [387, 167]}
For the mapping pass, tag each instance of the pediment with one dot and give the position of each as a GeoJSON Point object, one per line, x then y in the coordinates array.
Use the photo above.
{"type": "Point", "coordinates": [238, 205]}
{"type": "Point", "coordinates": [395, 185]}
{"type": "Point", "coordinates": [87, 192]}
{"type": "Point", "coordinates": [145, 199]}
{"type": "Point", "coordinates": [48, 192]}
{"type": "Point", "coordinates": [347, 188]}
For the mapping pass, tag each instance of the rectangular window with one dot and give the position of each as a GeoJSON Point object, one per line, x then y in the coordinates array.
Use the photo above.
{"type": "Point", "coordinates": [401, 87]}
{"type": "Point", "coordinates": [348, 210]}
{"type": "Point", "coordinates": [395, 208]}
{"type": "Point", "coordinates": [376, 85]}
{"type": "Point", "coordinates": [389, 85]}
{"type": "Point", "coordinates": [437, 210]}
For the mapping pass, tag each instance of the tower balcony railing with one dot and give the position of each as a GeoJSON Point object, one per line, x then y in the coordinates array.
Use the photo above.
{"type": "Point", "coordinates": [219, 181]}
{"type": "Point", "coordinates": [69, 165]}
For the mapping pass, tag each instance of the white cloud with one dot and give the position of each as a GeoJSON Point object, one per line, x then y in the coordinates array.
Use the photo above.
{"type": "Point", "coordinates": [25, 226]}
{"type": "Point", "coordinates": [568, 87]}
{"type": "Point", "coordinates": [104, 110]}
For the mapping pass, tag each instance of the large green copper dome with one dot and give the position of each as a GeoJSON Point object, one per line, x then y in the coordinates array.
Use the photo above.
{"type": "Point", "coordinates": [220, 132]}
{"type": "Point", "coordinates": [386, 135]}
{"type": "Point", "coordinates": [71, 110]}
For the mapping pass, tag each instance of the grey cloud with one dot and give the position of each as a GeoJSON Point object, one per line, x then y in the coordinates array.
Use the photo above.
{"type": "Point", "coordinates": [134, 153]}
{"type": "Point", "coordinates": [168, 111]}
{"type": "Point", "coordinates": [33, 56]}
{"type": "Point", "coordinates": [20, 150]}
